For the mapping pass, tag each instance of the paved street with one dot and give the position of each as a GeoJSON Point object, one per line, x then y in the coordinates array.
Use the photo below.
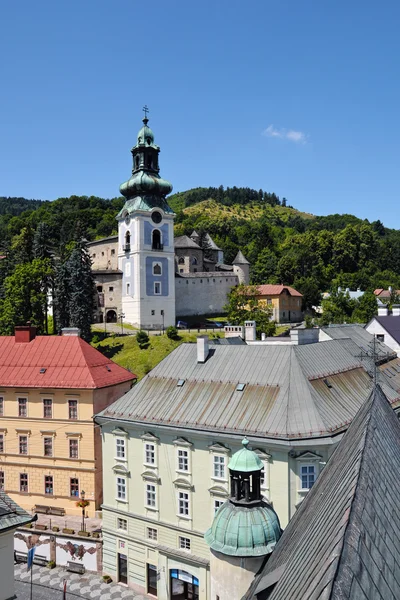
{"type": "Point", "coordinates": [48, 585]}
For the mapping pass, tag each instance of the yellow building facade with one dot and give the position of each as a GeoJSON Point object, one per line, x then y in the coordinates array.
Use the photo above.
{"type": "Point", "coordinates": [50, 449]}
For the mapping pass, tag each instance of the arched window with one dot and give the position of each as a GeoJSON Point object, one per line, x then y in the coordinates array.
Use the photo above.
{"type": "Point", "coordinates": [127, 241]}
{"type": "Point", "coordinates": [156, 240]}
{"type": "Point", "coordinates": [157, 269]}
{"type": "Point", "coordinates": [181, 260]}
{"type": "Point", "coordinates": [194, 260]}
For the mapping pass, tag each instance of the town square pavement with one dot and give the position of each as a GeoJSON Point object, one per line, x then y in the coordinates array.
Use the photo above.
{"type": "Point", "coordinates": [48, 585]}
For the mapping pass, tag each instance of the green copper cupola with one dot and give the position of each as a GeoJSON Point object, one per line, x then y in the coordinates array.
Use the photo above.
{"type": "Point", "coordinates": [245, 525]}
{"type": "Point", "coordinates": [145, 189]}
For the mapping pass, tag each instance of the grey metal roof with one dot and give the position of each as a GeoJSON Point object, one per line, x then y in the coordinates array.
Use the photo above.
{"type": "Point", "coordinates": [343, 542]}
{"type": "Point", "coordinates": [233, 341]}
{"type": "Point", "coordinates": [12, 515]}
{"type": "Point", "coordinates": [183, 241]}
{"type": "Point", "coordinates": [205, 274]}
{"type": "Point", "coordinates": [361, 337]}
{"type": "Point", "coordinates": [240, 259]}
{"type": "Point", "coordinates": [284, 396]}
{"type": "Point", "coordinates": [110, 238]}
{"type": "Point", "coordinates": [211, 243]}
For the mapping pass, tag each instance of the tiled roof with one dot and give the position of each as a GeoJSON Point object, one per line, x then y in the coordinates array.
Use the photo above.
{"type": "Point", "coordinates": [12, 515]}
{"type": "Point", "coordinates": [285, 395]}
{"type": "Point", "coordinates": [212, 245]}
{"type": "Point", "coordinates": [391, 324]}
{"type": "Point", "coordinates": [240, 259]}
{"type": "Point", "coordinates": [275, 290]}
{"type": "Point", "coordinates": [69, 362]}
{"type": "Point", "coordinates": [382, 293]}
{"type": "Point", "coordinates": [343, 541]}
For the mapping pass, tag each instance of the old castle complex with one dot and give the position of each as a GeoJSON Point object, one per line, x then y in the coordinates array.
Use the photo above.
{"type": "Point", "coordinates": [144, 273]}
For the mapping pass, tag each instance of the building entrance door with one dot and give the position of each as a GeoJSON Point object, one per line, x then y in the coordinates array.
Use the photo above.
{"type": "Point", "coordinates": [151, 579]}
{"type": "Point", "coordinates": [122, 568]}
{"type": "Point", "coordinates": [183, 585]}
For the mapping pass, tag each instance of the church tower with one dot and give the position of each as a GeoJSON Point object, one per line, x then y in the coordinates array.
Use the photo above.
{"type": "Point", "coordinates": [146, 240]}
{"type": "Point", "coordinates": [244, 531]}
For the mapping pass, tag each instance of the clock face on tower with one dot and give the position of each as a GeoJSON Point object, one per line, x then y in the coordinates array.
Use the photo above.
{"type": "Point", "coordinates": [156, 217]}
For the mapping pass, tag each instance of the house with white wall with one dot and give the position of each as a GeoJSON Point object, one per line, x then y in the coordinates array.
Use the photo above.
{"type": "Point", "coordinates": [168, 441]}
{"type": "Point", "coordinates": [386, 326]}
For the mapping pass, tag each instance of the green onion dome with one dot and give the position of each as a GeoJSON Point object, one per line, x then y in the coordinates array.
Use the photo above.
{"type": "Point", "coordinates": [245, 460]}
{"type": "Point", "coordinates": [142, 183]}
{"type": "Point", "coordinates": [240, 531]}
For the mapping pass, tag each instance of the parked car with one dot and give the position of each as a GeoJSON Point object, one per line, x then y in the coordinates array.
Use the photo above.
{"type": "Point", "coordinates": [181, 325]}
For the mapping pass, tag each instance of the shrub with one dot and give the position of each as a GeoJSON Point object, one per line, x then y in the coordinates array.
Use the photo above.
{"type": "Point", "coordinates": [55, 529]}
{"type": "Point", "coordinates": [142, 339]}
{"type": "Point", "coordinates": [107, 579]}
{"type": "Point", "coordinates": [51, 564]}
{"type": "Point", "coordinates": [67, 530]}
{"type": "Point", "coordinates": [96, 534]}
{"type": "Point", "coordinates": [29, 525]}
{"type": "Point", "coordinates": [172, 332]}
{"type": "Point", "coordinates": [84, 533]}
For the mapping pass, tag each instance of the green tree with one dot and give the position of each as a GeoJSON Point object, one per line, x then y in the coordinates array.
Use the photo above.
{"type": "Point", "coordinates": [62, 295]}
{"type": "Point", "coordinates": [264, 270]}
{"type": "Point", "coordinates": [366, 308]}
{"type": "Point", "coordinates": [244, 304]}
{"type": "Point", "coordinates": [337, 308]}
{"type": "Point", "coordinates": [81, 289]}
{"type": "Point", "coordinates": [25, 296]}
{"type": "Point", "coordinates": [142, 339]}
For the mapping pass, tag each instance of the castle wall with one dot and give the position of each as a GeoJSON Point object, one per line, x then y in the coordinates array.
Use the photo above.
{"type": "Point", "coordinates": [206, 293]}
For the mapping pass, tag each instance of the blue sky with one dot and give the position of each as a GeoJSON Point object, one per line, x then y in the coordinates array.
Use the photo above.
{"type": "Point", "coordinates": [297, 98]}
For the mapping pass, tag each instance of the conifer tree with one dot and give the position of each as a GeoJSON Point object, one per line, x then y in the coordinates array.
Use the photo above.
{"type": "Point", "coordinates": [81, 289]}
{"type": "Point", "coordinates": [61, 296]}
{"type": "Point", "coordinates": [42, 249]}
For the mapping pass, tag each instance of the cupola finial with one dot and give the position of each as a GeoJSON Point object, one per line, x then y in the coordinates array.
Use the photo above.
{"type": "Point", "coordinates": [145, 110]}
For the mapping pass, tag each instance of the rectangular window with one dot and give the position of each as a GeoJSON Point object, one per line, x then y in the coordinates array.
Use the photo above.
{"type": "Point", "coordinates": [219, 467]}
{"type": "Point", "coordinates": [48, 485]}
{"type": "Point", "coordinates": [217, 504]}
{"type": "Point", "coordinates": [112, 252]}
{"type": "Point", "coordinates": [122, 524]}
{"type": "Point", "coordinates": [73, 448]}
{"type": "Point", "coordinates": [121, 488]}
{"type": "Point", "coordinates": [152, 534]}
{"type": "Point", "coordinates": [262, 478]}
{"type": "Point", "coordinates": [120, 447]}
{"type": "Point", "coordinates": [184, 543]}
{"type": "Point", "coordinates": [307, 476]}
{"type": "Point", "coordinates": [157, 288]}
{"type": "Point", "coordinates": [1, 406]}
{"type": "Point", "coordinates": [73, 410]}
{"type": "Point", "coordinates": [48, 446]}
{"type": "Point", "coordinates": [183, 460]}
{"type": "Point", "coordinates": [74, 487]}
{"type": "Point", "coordinates": [2, 478]}
{"type": "Point", "coordinates": [23, 482]}
{"type": "Point", "coordinates": [150, 454]}
{"type": "Point", "coordinates": [22, 407]}
{"type": "Point", "coordinates": [23, 444]}
{"type": "Point", "coordinates": [1, 443]}
{"type": "Point", "coordinates": [111, 288]}
{"type": "Point", "coordinates": [183, 504]}
{"type": "Point", "coordinates": [380, 337]}
{"type": "Point", "coordinates": [151, 495]}
{"type": "Point", "coordinates": [47, 409]}
{"type": "Point", "coordinates": [128, 289]}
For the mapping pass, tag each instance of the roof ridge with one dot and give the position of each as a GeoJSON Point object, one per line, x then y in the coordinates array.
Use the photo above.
{"type": "Point", "coordinates": [350, 511]}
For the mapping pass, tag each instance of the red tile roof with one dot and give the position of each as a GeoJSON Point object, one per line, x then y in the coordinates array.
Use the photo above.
{"type": "Point", "coordinates": [382, 293]}
{"type": "Point", "coordinates": [70, 362]}
{"type": "Point", "coordinates": [276, 290]}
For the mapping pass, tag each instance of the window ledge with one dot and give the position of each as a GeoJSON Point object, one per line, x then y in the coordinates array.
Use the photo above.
{"type": "Point", "coordinates": [121, 500]}
{"type": "Point", "coordinates": [185, 517]}
{"type": "Point", "coordinates": [152, 465]}
{"type": "Point", "coordinates": [153, 508]}
{"type": "Point", "coordinates": [120, 459]}
{"type": "Point", "coordinates": [187, 473]}
{"type": "Point", "coordinates": [220, 479]}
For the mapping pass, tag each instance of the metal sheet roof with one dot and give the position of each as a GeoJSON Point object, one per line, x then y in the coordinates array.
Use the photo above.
{"type": "Point", "coordinates": [343, 541]}
{"type": "Point", "coordinates": [12, 515]}
{"type": "Point", "coordinates": [284, 394]}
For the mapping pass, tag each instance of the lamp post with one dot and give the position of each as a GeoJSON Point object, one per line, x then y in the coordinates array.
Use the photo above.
{"type": "Point", "coordinates": [162, 314]}
{"type": "Point", "coordinates": [83, 509]}
{"type": "Point", "coordinates": [122, 316]}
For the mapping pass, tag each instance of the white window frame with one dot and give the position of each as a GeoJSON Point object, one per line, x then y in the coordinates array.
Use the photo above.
{"type": "Point", "coordinates": [152, 534]}
{"type": "Point", "coordinates": [26, 406]}
{"type": "Point", "coordinates": [184, 543]}
{"type": "Point", "coordinates": [73, 439]}
{"type": "Point", "coordinates": [2, 406]}
{"type": "Point", "coordinates": [2, 443]}
{"type": "Point", "coordinates": [150, 448]}
{"type": "Point", "coordinates": [70, 409]}
{"type": "Point", "coordinates": [157, 263]}
{"type": "Point", "coordinates": [215, 458]}
{"type": "Point", "coordinates": [124, 522]}
{"type": "Point", "coordinates": [155, 284]}
{"type": "Point", "coordinates": [185, 456]}
{"type": "Point", "coordinates": [120, 448]}
{"type": "Point", "coordinates": [47, 438]}
{"type": "Point", "coordinates": [183, 497]}
{"type": "Point", "coordinates": [218, 501]}
{"type": "Point", "coordinates": [23, 435]}
{"type": "Point", "coordinates": [121, 489]}
{"type": "Point", "coordinates": [148, 493]}
{"type": "Point", "coordinates": [307, 465]}
{"type": "Point", "coordinates": [27, 484]}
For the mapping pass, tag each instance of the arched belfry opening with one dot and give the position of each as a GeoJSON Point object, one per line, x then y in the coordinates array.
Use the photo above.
{"type": "Point", "coordinates": [127, 241]}
{"type": "Point", "coordinates": [156, 240]}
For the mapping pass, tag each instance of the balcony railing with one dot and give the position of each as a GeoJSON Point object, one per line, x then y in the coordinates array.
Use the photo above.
{"type": "Point", "coordinates": [126, 248]}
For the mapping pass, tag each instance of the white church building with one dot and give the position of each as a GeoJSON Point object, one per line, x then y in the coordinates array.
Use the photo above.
{"type": "Point", "coordinates": [143, 275]}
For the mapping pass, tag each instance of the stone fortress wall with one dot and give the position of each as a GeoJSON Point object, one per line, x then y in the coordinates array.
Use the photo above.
{"type": "Point", "coordinates": [205, 293]}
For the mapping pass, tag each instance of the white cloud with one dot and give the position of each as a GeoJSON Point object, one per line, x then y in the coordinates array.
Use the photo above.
{"type": "Point", "coordinates": [299, 137]}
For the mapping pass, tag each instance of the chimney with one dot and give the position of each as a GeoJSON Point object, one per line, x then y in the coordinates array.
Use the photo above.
{"type": "Point", "coordinates": [202, 348]}
{"type": "Point", "coordinates": [71, 331]}
{"type": "Point", "coordinates": [250, 331]}
{"type": "Point", "coordinates": [396, 310]}
{"type": "Point", "coordinates": [382, 310]}
{"type": "Point", "coordinates": [24, 333]}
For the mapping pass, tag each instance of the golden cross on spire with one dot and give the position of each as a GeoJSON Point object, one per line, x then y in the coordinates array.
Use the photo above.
{"type": "Point", "coordinates": [145, 110]}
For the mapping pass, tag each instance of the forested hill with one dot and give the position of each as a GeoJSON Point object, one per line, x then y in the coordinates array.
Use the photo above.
{"type": "Point", "coordinates": [312, 253]}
